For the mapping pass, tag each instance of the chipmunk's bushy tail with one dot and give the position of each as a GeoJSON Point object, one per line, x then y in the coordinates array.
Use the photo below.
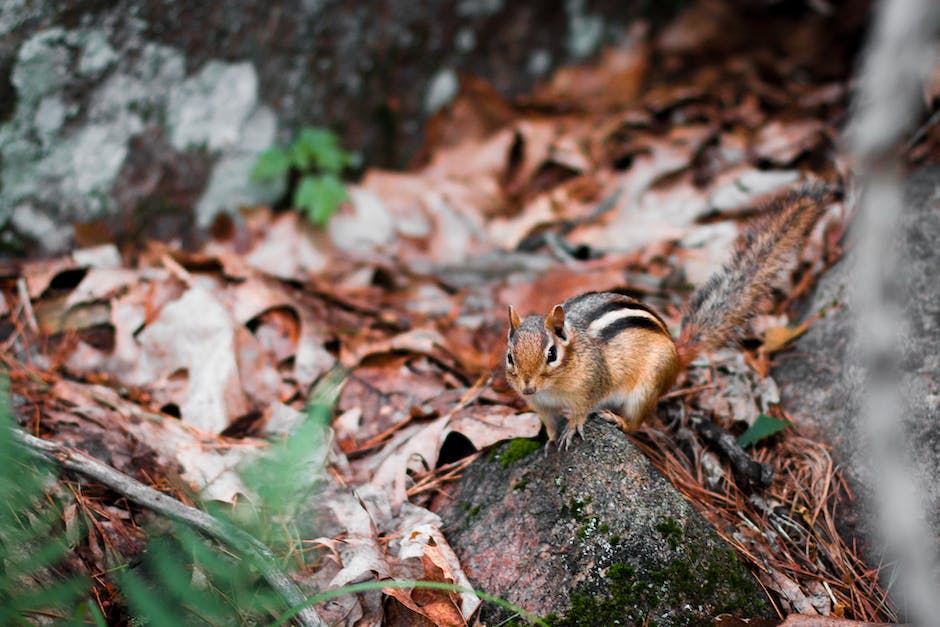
{"type": "Point", "coordinates": [716, 313]}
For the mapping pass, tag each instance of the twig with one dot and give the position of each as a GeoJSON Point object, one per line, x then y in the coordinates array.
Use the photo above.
{"type": "Point", "coordinates": [554, 240]}
{"type": "Point", "coordinates": [688, 391]}
{"type": "Point", "coordinates": [753, 473]}
{"type": "Point", "coordinates": [439, 476]}
{"type": "Point", "coordinates": [23, 291]}
{"type": "Point", "coordinates": [562, 250]}
{"type": "Point", "coordinates": [243, 542]}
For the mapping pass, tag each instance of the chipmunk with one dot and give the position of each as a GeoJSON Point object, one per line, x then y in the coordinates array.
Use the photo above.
{"type": "Point", "coordinates": [609, 351]}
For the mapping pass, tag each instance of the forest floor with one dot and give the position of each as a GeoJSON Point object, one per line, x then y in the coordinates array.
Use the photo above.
{"type": "Point", "coordinates": [182, 368]}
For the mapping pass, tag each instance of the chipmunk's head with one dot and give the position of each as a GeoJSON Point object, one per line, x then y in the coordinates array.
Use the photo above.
{"type": "Point", "coordinates": [537, 351]}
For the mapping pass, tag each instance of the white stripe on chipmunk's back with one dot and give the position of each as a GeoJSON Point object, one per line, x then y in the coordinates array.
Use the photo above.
{"type": "Point", "coordinates": [597, 327]}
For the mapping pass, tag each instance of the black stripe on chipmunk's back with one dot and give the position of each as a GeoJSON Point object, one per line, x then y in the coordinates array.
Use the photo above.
{"type": "Point", "coordinates": [616, 314]}
{"type": "Point", "coordinates": [613, 329]}
{"type": "Point", "coordinates": [625, 302]}
{"type": "Point", "coordinates": [604, 315]}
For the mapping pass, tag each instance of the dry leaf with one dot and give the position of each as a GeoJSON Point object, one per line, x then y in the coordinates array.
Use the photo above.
{"type": "Point", "coordinates": [612, 82]}
{"type": "Point", "coordinates": [485, 425]}
{"type": "Point", "coordinates": [289, 249]}
{"type": "Point", "coordinates": [781, 143]}
{"type": "Point", "coordinates": [776, 338]}
{"type": "Point", "coordinates": [196, 335]}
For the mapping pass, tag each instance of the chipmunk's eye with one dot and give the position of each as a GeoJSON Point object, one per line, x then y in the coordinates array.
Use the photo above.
{"type": "Point", "coordinates": [509, 359]}
{"type": "Point", "coordinates": [552, 355]}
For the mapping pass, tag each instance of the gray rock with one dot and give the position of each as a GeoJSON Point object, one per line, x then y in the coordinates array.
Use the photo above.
{"type": "Point", "coordinates": [83, 109]}
{"type": "Point", "coordinates": [595, 535]}
{"type": "Point", "coordinates": [148, 116]}
{"type": "Point", "coordinates": [823, 386]}
{"type": "Point", "coordinates": [208, 109]}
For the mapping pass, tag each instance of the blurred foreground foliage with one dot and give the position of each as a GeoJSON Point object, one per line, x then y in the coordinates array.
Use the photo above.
{"type": "Point", "coordinates": [182, 577]}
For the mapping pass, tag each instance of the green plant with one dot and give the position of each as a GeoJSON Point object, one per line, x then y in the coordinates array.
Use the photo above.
{"type": "Point", "coordinates": [285, 480]}
{"type": "Point", "coordinates": [183, 577]}
{"type": "Point", "coordinates": [202, 582]}
{"type": "Point", "coordinates": [317, 158]}
{"type": "Point", "coordinates": [764, 427]}
{"type": "Point", "coordinates": [31, 536]}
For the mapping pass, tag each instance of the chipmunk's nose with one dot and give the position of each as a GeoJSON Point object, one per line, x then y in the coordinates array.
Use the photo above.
{"type": "Point", "coordinates": [528, 390]}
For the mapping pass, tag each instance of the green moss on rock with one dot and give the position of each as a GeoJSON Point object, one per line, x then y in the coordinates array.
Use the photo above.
{"type": "Point", "coordinates": [518, 448]}
{"type": "Point", "coordinates": [687, 591]}
{"type": "Point", "coordinates": [472, 510]}
{"type": "Point", "coordinates": [576, 509]}
{"type": "Point", "coordinates": [670, 531]}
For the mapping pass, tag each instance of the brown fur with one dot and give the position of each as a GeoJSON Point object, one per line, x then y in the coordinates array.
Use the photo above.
{"type": "Point", "coordinates": [624, 373]}
{"type": "Point", "coordinates": [650, 363]}
{"type": "Point", "coordinates": [627, 360]}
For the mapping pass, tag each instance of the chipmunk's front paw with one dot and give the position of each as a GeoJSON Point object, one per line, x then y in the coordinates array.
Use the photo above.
{"type": "Point", "coordinates": [568, 437]}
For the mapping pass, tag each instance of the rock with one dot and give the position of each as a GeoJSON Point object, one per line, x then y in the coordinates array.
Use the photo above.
{"type": "Point", "coordinates": [592, 535]}
{"type": "Point", "coordinates": [823, 388]}
{"type": "Point", "coordinates": [100, 127]}
{"type": "Point", "coordinates": [148, 116]}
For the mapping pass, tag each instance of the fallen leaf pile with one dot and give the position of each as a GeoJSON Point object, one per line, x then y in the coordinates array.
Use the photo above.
{"type": "Point", "coordinates": [631, 174]}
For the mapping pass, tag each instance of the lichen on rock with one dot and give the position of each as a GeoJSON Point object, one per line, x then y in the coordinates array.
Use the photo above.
{"type": "Point", "coordinates": [63, 156]}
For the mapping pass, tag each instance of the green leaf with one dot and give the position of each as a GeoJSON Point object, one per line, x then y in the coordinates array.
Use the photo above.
{"type": "Point", "coordinates": [319, 197]}
{"type": "Point", "coordinates": [193, 580]}
{"type": "Point", "coordinates": [272, 164]}
{"type": "Point", "coordinates": [62, 594]}
{"type": "Point", "coordinates": [166, 556]}
{"type": "Point", "coordinates": [317, 147]}
{"type": "Point", "coordinates": [763, 427]}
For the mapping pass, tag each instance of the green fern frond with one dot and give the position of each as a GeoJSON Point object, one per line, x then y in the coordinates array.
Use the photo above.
{"type": "Point", "coordinates": [198, 581]}
{"type": "Point", "coordinates": [185, 579]}
{"type": "Point", "coordinates": [31, 542]}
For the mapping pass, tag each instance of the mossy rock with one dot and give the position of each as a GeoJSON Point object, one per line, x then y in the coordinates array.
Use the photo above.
{"type": "Point", "coordinates": [596, 537]}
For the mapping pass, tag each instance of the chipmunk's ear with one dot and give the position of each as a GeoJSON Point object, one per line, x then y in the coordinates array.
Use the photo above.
{"type": "Point", "coordinates": [555, 322]}
{"type": "Point", "coordinates": [514, 320]}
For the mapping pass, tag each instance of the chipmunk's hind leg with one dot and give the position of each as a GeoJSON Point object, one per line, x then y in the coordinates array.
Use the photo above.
{"type": "Point", "coordinates": [629, 408]}
{"type": "Point", "coordinates": [612, 415]}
